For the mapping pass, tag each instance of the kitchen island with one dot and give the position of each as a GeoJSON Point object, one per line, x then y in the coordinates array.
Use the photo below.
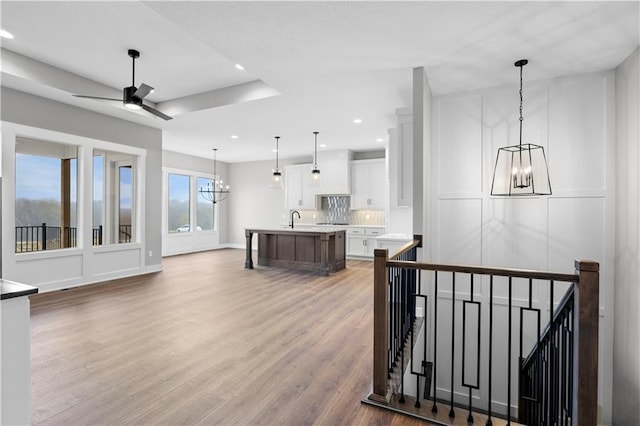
{"type": "Point", "coordinates": [319, 249]}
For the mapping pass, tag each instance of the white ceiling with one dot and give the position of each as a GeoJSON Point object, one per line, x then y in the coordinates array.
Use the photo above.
{"type": "Point", "coordinates": [317, 65]}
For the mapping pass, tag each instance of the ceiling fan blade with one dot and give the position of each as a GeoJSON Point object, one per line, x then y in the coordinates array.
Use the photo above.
{"type": "Point", "coordinates": [97, 97]}
{"type": "Point", "coordinates": [156, 112]}
{"type": "Point", "coordinates": [143, 91]}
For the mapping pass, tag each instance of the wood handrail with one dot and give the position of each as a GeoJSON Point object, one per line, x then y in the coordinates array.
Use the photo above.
{"type": "Point", "coordinates": [403, 249]}
{"type": "Point", "coordinates": [484, 270]}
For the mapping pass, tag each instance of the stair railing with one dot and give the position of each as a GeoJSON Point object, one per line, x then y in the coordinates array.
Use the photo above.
{"type": "Point", "coordinates": [556, 382]}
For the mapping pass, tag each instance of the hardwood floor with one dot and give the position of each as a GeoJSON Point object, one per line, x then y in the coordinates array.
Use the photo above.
{"type": "Point", "coordinates": [208, 342]}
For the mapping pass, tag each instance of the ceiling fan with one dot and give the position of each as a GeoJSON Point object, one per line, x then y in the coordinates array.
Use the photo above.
{"type": "Point", "coordinates": [132, 96]}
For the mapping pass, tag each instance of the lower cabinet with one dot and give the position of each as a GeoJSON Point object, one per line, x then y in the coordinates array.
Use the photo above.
{"type": "Point", "coordinates": [361, 241]}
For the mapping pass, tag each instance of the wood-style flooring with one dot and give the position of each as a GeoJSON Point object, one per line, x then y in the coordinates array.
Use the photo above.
{"type": "Point", "coordinates": [208, 342]}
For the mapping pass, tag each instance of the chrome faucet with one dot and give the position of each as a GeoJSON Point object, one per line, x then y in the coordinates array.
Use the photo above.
{"type": "Point", "coordinates": [292, 213]}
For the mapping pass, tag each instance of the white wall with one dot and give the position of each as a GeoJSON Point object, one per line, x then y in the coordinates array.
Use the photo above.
{"type": "Point", "coordinates": [31, 116]}
{"type": "Point", "coordinates": [573, 119]}
{"type": "Point", "coordinates": [626, 344]}
{"type": "Point", "coordinates": [188, 242]}
{"type": "Point", "coordinates": [254, 204]}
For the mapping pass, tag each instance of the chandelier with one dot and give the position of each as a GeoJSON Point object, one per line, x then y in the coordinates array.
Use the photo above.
{"type": "Point", "coordinates": [521, 169]}
{"type": "Point", "coordinates": [215, 190]}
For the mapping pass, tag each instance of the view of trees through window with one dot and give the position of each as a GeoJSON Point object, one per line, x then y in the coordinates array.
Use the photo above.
{"type": "Point", "coordinates": [46, 195]}
{"type": "Point", "coordinates": [183, 196]}
{"type": "Point", "coordinates": [179, 214]}
{"type": "Point", "coordinates": [205, 210]}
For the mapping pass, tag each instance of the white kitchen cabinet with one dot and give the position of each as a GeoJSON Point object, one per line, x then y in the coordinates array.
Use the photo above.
{"type": "Point", "coordinates": [362, 241]}
{"type": "Point", "coordinates": [334, 169]}
{"type": "Point", "coordinates": [298, 195]}
{"type": "Point", "coordinates": [368, 184]}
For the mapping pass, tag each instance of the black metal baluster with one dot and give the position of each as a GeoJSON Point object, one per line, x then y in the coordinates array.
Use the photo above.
{"type": "Point", "coordinates": [563, 369]}
{"type": "Point", "coordinates": [478, 325]}
{"type": "Point", "coordinates": [452, 413]}
{"type": "Point", "coordinates": [398, 316]}
{"type": "Point", "coordinates": [490, 378]}
{"type": "Point", "coordinates": [417, 404]}
{"type": "Point", "coordinates": [509, 354]}
{"type": "Point", "coordinates": [549, 386]}
{"type": "Point", "coordinates": [571, 336]}
{"type": "Point", "coordinates": [44, 236]}
{"type": "Point", "coordinates": [425, 364]}
{"type": "Point", "coordinates": [434, 408]}
{"type": "Point", "coordinates": [403, 316]}
{"type": "Point", "coordinates": [390, 340]}
{"type": "Point", "coordinates": [401, 369]}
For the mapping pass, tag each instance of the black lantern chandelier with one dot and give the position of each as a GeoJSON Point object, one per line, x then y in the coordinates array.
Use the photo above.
{"type": "Point", "coordinates": [521, 169]}
{"type": "Point", "coordinates": [216, 190]}
{"type": "Point", "coordinates": [315, 181]}
{"type": "Point", "coordinates": [276, 179]}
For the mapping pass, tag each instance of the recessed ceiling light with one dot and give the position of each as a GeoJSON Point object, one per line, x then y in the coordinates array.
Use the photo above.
{"type": "Point", "coordinates": [379, 140]}
{"type": "Point", "coordinates": [357, 120]}
{"type": "Point", "coordinates": [274, 150]}
{"type": "Point", "coordinates": [234, 136]}
{"type": "Point", "coordinates": [322, 145]}
{"type": "Point", "coordinates": [240, 67]}
{"type": "Point", "coordinates": [5, 34]}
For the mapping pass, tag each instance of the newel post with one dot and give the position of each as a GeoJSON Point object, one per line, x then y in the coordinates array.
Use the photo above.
{"type": "Point", "coordinates": [381, 392]}
{"type": "Point", "coordinates": [585, 343]}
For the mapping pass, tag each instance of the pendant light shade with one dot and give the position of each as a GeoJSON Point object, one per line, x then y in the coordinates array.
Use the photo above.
{"type": "Point", "coordinates": [276, 178]}
{"type": "Point", "coordinates": [521, 169]}
{"type": "Point", "coordinates": [315, 181]}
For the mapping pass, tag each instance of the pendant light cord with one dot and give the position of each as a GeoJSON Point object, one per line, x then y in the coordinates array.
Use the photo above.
{"type": "Point", "coordinates": [277, 151]}
{"type": "Point", "coordinates": [315, 151]}
{"type": "Point", "coordinates": [521, 66]}
{"type": "Point", "coordinates": [133, 71]}
{"type": "Point", "coordinates": [214, 166]}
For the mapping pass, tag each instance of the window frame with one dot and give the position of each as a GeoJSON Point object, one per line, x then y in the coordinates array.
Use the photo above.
{"type": "Point", "coordinates": [193, 200]}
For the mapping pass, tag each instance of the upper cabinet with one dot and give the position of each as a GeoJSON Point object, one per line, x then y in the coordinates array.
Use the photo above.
{"type": "Point", "coordinates": [298, 195]}
{"type": "Point", "coordinates": [368, 185]}
{"type": "Point", "coordinates": [334, 172]}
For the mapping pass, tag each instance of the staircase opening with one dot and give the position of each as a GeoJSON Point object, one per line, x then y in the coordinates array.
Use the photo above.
{"type": "Point", "coordinates": [456, 344]}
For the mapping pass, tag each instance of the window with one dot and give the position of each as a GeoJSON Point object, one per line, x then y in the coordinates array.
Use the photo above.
{"type": "Point", "coordinates": [205, 212]}
{"type": "Point", "coordinates": [98, 199]}
{"type": "Point", "coordinates": [179, 212]}
{"type": "Point", "coordinates": [114, 189]}
{"type": "Point", "coordinates": [46, 195]}
{"type": "Point", "coordinates": [125, 202]}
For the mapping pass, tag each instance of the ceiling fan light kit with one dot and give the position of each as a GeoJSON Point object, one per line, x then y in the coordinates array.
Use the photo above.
{"type": "Point", "coordinates": [132, 96]}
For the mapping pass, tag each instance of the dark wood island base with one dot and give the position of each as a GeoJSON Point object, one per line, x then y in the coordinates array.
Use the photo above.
{"type": "Point", "coordinates": [319, 250]}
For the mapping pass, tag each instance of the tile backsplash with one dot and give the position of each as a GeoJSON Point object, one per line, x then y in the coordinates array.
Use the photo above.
{"type": "Point", "coordinates": [335, 209]}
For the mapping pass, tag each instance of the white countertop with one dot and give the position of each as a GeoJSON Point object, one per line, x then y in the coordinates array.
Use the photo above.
{"type": "Point", "coordinates": [298, 229]}
{"type": "Point", "coordinates": [338, 226]}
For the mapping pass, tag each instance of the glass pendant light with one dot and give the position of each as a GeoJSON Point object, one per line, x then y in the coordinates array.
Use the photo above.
{"type": "Point", "coordinates": [276, 179]}
{"type": "Point", "coordinates": [315, 181]}
{"type": "Point", "coordinates": [521, 169]}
